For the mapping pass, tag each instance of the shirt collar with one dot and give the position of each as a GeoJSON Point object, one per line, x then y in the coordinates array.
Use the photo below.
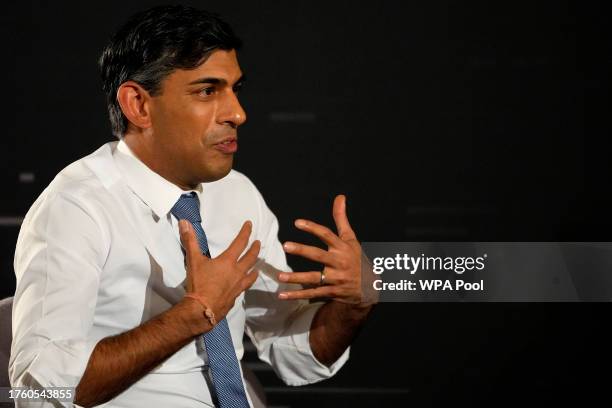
{"type": "Point", "coordinates": [157, 192]}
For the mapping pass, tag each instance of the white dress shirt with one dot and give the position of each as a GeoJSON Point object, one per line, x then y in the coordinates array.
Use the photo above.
{"type": "Point", "coordinates": [99, 254]}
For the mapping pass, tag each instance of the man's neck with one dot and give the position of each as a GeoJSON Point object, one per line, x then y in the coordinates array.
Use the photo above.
{"type": "Point", "coordinates": [153, 159]}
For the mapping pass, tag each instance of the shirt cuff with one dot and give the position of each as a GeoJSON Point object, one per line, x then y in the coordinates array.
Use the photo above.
{"type": "Point", "coordinates": [300, 366]}
{"type": "Point", "coordinates": [60, 363]}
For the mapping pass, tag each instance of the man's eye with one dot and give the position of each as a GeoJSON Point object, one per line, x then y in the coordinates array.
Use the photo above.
{"type": "Point", "coordinates": [208, 91]}
{"type": "Point", "coordinates": [237, 88]}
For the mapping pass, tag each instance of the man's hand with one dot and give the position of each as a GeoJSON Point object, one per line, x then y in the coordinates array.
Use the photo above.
{"type": "Point", "coordinates": [342, 260]}
{"type": "Point", "coordinates": [222, 279]}
{"type": "Point", "coordinates": [119, 361]}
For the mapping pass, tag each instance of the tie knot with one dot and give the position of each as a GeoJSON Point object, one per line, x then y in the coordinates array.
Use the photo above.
{"type": "Point", "coordinates": [187, 208]}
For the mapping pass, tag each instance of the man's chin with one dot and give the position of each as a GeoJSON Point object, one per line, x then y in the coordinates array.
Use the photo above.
{"type": "Point", "coordinates": [217, 173]}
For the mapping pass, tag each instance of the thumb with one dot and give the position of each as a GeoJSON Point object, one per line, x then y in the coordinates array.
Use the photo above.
{"type": "Point", "coordinates": [345, 232]}
{"type": "Point", "coordinates": [193, 254]}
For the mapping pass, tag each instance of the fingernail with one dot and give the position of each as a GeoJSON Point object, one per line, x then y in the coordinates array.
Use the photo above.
{"type": "Point", "coordinates": [288, 246]}
{"type": "Point", "coordinates": [282, 296]}
{"type": "Point", "coordinates": [282, 277]}
{"type": "Point", "coordinates": [300, 223]}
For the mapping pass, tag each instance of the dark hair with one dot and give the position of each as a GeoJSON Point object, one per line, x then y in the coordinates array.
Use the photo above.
{"type": "Point", "coordinates": [155, 42]}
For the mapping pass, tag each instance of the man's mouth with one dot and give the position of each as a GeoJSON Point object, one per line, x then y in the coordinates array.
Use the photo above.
{"type": "Point", "coordinates": [227, 146]}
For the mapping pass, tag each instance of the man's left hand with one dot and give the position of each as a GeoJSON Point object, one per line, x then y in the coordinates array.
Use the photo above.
{"type": "Point", "coordinates": [342, 261]}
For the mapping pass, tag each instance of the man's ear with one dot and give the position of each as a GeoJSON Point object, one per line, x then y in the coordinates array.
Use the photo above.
{"type": "Point", "coordinates": [135, 104]}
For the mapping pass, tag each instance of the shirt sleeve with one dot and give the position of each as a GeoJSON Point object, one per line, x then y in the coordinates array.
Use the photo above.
{"type": "Point", "coordinates": [58, 260]}
{"type": "Point", "coordinates": [280, 329]}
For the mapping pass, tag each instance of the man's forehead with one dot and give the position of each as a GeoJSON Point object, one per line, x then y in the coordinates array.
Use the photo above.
{"type": "Point", "coordinates": [220, 64]}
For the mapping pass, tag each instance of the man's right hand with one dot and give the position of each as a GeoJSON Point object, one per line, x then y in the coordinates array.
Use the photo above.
{"type": "Point", "coordinates": [118, 361]}
{"type": "Point", "coordinates": [219, 281]}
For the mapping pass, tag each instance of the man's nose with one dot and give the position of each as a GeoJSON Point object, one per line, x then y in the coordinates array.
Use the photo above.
{"type": "Point", "coordinates": [231, 112]}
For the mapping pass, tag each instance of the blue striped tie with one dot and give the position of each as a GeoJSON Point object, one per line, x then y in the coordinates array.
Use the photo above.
{"type": "Point", "coordinates": [223, 364]}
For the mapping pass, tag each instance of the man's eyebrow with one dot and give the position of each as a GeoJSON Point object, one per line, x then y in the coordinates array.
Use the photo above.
{"type": "Point", "coordinates": [215, 81]}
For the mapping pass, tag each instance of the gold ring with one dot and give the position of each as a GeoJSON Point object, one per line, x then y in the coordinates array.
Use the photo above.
{"type": "Point", "coordinates": [322, 281]}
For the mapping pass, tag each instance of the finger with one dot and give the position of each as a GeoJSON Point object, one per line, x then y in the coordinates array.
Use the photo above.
{"type": "Point", "coordinates": [193, 253]}
{"type": "Point", "coordinates": [250, 258]}
{"type": "Point", "coordinates": [310, 252]}
{"type": "Point", "coordinates": [248, 280]}
{"type": "Point", "coordinates": [304, 278]}
{"type": "Point", "coordinates": [240, 242]}
{"type": "Point", "coordinates": [323, 291]}
{"type": "Point", "coordinates": [321, 231]}
{"type": "Point", "coordinates": [342, 223]}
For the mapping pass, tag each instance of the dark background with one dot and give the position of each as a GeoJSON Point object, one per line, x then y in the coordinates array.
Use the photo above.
{"type": "Point", "coordinates": [440, 121]}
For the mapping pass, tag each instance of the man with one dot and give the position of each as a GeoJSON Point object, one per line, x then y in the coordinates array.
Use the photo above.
{"type": "Point", "coordinates": [140, 267]}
